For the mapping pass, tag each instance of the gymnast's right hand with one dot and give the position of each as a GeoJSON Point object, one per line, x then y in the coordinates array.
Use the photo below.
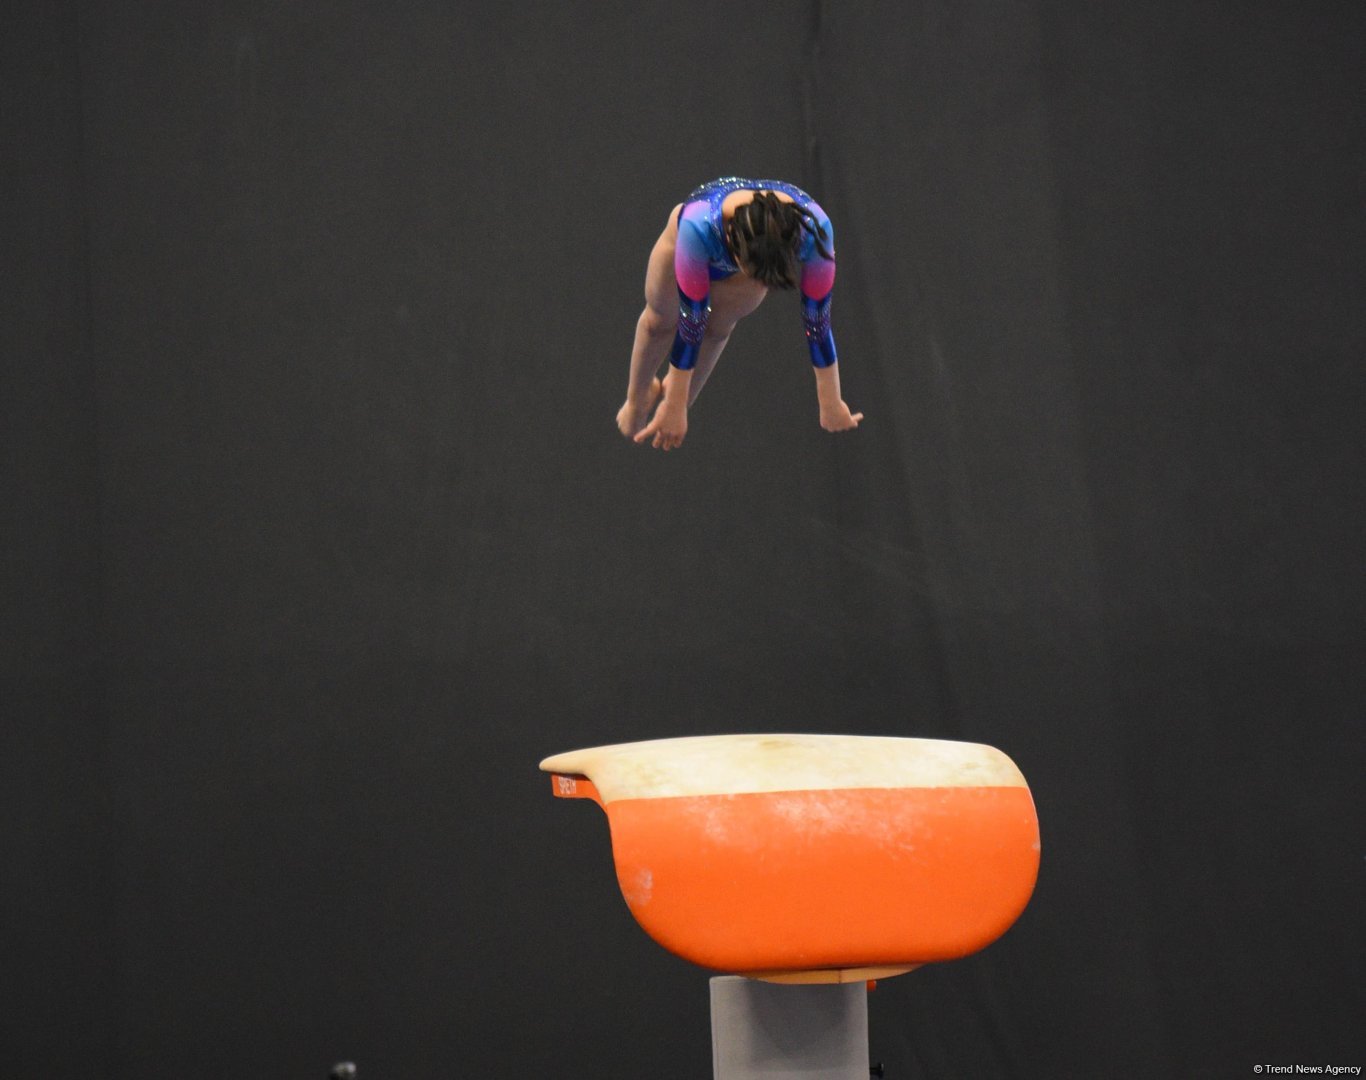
{"type": "Point", "coordinates": [667, 429]}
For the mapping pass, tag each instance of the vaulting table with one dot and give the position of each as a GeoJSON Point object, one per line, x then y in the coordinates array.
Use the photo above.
{"type": "Point", "coordinates": [805, 866]}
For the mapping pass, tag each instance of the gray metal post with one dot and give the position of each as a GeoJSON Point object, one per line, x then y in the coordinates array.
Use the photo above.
{"type": "Point", "coordinates": [763, 1031]}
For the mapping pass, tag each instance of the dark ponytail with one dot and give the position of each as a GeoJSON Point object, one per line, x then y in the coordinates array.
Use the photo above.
{"type": "Point", "coordinates": [765, 236]}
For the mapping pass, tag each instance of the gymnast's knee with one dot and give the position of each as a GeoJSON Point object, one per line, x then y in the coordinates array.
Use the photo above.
{"type": "Point", "coordinates": [657, 324]}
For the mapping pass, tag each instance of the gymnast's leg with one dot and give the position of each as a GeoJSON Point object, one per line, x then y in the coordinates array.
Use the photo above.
{"type": "Point", "coordinates": [654, 332]}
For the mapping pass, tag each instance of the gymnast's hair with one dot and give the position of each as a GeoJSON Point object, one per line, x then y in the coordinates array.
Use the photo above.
{"type": "Point", "coordinates": [765, 236]}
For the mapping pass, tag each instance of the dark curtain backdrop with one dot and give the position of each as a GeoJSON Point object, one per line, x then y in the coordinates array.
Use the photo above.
{"type": "Point", "coordinates": [318, 533]}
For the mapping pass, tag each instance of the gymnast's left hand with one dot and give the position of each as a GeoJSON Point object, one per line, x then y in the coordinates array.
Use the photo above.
{"type": "Point", "coordinates": [838, 418]}
{"type": "Point", "coordinates": [667, 429]}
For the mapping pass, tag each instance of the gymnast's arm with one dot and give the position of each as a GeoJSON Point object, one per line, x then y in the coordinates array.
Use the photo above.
{"type": "Point", "coordinates": [818, 287]}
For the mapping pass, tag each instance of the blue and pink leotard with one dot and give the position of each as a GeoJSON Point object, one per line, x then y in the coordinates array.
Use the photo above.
{"type": "Point", "coordinates": [701, 257]}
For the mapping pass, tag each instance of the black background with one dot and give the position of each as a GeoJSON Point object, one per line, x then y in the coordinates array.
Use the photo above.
{"type": "Point", "coordinates": [318, 533]}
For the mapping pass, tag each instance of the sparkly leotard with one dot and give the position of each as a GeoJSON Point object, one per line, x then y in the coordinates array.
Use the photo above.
{"type": "Point", "coordinates": [701, 257]}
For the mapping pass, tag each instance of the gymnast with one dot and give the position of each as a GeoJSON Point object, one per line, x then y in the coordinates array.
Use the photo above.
{"type": "Point", "coordinates": [722, 250]}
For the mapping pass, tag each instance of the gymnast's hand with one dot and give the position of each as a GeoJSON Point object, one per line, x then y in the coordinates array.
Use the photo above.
{"type": "Point", "coordinates": [670, 425]}
{"type": "Point", "coordinates": [837, 417]}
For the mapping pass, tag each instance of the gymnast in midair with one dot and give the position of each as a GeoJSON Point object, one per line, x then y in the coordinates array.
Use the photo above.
{"type": "Point", "coordinates": [724, 247]}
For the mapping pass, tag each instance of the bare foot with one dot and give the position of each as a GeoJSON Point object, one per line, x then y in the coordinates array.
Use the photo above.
{"type": "Point", "coordinates": [632, 417]}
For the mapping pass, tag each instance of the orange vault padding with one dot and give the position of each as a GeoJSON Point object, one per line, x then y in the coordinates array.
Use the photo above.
{"type": "Point", "coordinates": [813, 858]}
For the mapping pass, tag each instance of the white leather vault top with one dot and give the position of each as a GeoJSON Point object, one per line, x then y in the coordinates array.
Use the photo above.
{"type": "Point", "coordinates": [736, 764]}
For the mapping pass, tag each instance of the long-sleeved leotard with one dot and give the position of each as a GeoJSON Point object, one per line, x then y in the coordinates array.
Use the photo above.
{"type": "Point", "coordinates": [701, 257]}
